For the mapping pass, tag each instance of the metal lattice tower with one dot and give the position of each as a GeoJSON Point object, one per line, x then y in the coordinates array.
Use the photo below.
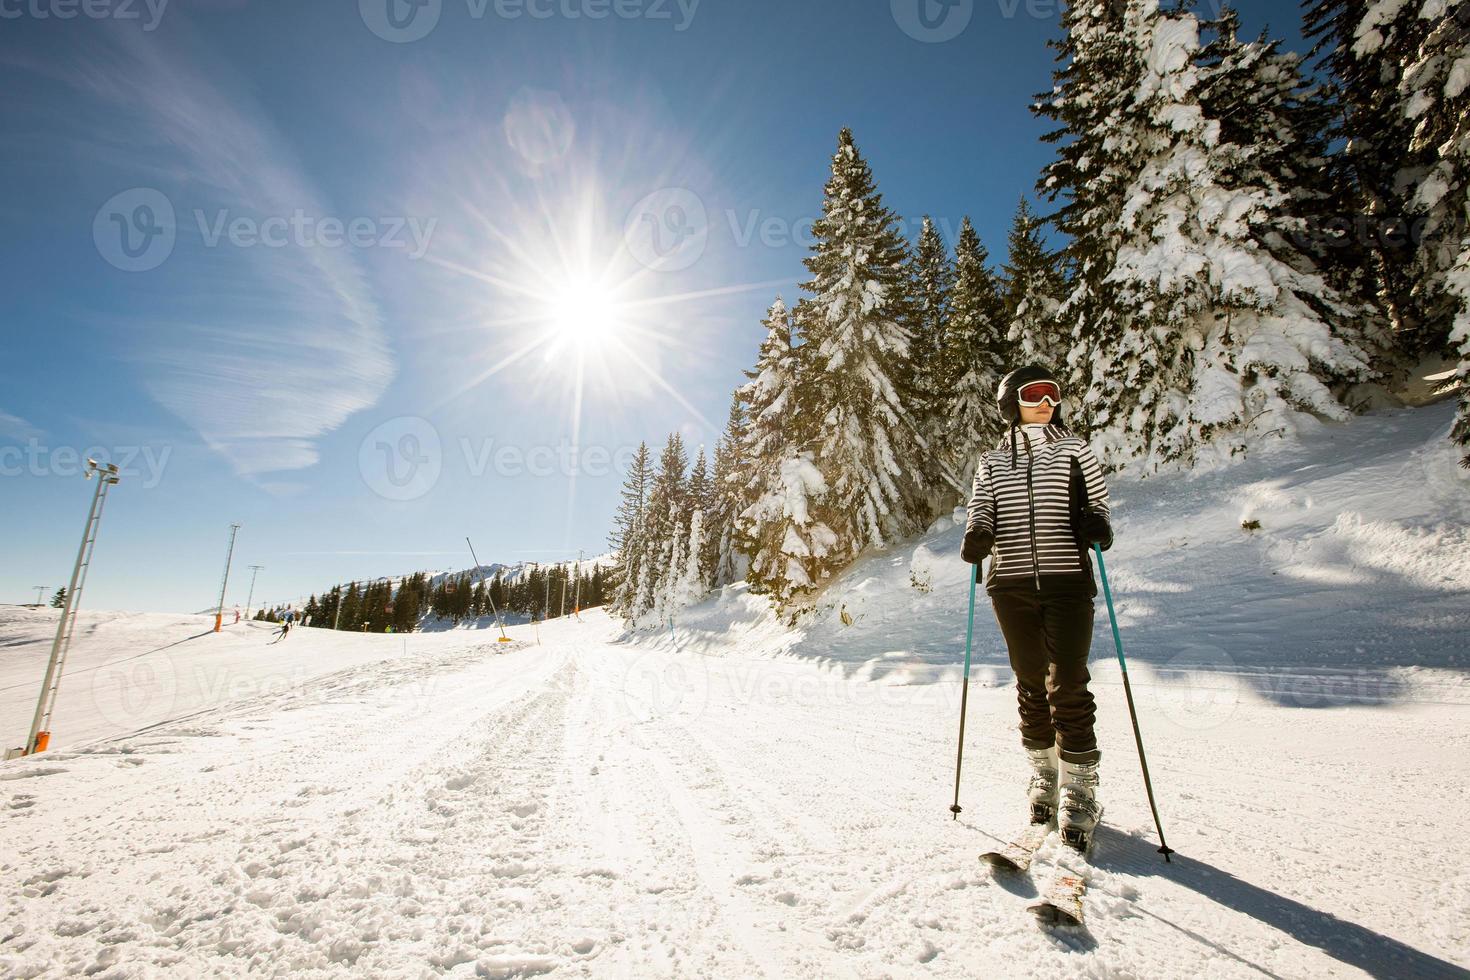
{"type": "Point", "coordinates": [40, 737]}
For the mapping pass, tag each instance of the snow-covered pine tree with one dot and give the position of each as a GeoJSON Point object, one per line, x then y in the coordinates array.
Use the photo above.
{"type": "Point", "coordinates": [625, 541]}
{"type": "Point", "coordinates": [931, 282]}
{"type": "Point", "coordinates": [644, 595]}
{"type": "Point", "coordinates": [875, 467]}
{"type": "Point", "coordinates": [667, 504]}
{"type": "Point", "coordinates": [1230, 332]}
{"type": "Point", "coordinates": [975, 356]}
{"type": "Point", "coordinates": [1367, 45]}
{"type": "Point", "coordinates": [701, 502]}
{"type": "Point", "coordinates": [1092, 105]}
{"type": "Point", "coordinates": [1033, 291]}
{"type": "Point", "coordinates": [778, 529]}
{"type": "Point", "coordinates": [695, 582]}
{"type": "Point", "coordinates": [769, 396]}
{"type": "Point", "coordinates": [728, 482]}
{"type": "Point", "coordinates": [1435, 98]}
{"type": "Point", "coordinates": [671, 572]}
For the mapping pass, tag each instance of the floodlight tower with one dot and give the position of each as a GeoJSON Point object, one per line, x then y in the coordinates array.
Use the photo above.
{"type": "Point", "coordinates": [254, 571]}
{"type": "Point", "coordinates": [219, 610]}
{"type": "Point", "coordinates": [40, 736]}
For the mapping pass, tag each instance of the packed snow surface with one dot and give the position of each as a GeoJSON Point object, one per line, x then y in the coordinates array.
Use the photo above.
{"type": "Point", "coordinates": [726, 798]}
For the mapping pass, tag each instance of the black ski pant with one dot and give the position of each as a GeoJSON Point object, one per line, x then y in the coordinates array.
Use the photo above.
{"type": "Point", "coordinates": [1049, 637]}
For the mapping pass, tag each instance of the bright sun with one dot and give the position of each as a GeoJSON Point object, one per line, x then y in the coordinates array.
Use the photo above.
{"type": "Point", "coordinates": [584, 315]}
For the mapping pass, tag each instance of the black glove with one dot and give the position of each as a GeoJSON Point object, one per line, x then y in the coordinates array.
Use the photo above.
{"type": "Point", "coordinates": [977, 545]}
{"type": "Point", "coordinates": [1093, 528]}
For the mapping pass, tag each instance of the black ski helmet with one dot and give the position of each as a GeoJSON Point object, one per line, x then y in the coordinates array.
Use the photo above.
{"type": "Point", "coordinates": [1006, 396]}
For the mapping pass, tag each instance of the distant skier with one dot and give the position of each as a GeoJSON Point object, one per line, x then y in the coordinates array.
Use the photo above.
{"type": "Point", "coordinates": [286, 623]}
{"type": "Point", "coordinates": [1039, 503]}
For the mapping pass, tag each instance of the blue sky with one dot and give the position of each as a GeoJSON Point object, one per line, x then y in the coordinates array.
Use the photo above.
{"type": "Point", "coordinates": [315, 269]}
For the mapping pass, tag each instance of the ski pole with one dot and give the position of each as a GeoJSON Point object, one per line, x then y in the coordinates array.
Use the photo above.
{"type": "Point", "coordinates": [964, 696]}
{"type": "Point", "coordinates": [1148, 785]}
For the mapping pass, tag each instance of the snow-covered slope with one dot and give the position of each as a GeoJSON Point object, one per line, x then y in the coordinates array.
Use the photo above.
{"type": "Point", "coordinates": [727, 798]}
{"type": "Point", "coordinates": [127, 671]}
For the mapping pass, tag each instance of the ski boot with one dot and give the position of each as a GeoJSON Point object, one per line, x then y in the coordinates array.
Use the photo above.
{"type": "Point", "coordinates": [1079, 809]}
{"type": "Point", "coordinates": [1042, 790]}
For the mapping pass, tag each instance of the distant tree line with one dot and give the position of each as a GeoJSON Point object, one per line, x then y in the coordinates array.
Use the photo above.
{"type": "Point", "coordinates": [533, 593]}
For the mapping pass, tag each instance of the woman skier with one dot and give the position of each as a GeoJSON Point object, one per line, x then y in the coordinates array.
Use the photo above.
{"type": "Point", "coordinates": [1038, 504]}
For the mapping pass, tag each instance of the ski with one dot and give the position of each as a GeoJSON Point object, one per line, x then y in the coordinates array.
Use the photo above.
{"type": "Point", "coordinates": [1060, 903]}
{"type": "Point", "coordinates": [1017, 855]}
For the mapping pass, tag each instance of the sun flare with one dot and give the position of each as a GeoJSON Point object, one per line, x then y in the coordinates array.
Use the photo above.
{"type": "Point", "coordinates": [584, 315]}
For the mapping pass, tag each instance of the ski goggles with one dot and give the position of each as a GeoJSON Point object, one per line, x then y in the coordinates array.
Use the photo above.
{"type": "Point", "coordinates": [1036, 392]}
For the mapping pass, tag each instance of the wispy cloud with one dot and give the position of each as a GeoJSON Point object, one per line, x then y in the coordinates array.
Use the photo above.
{"type": "Point", "coordinates": [14, 427]}
{"type": "Point", "coordinates": [262, 350]}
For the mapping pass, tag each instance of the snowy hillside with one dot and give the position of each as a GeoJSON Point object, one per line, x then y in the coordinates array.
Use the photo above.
{"type": "Point", "coordinates": [517, 571]}
{"type": "Point", "coordinates": [732, 799]}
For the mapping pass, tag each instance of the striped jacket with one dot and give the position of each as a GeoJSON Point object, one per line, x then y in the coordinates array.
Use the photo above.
{"type": "Point", "coordinates": [1025, 494]}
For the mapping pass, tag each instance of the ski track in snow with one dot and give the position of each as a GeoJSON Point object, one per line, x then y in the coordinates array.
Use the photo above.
{"type": "Point", "coordinates": [741, 801]}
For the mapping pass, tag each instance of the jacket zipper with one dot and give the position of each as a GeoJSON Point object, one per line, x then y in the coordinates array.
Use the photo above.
{"type": "Point", "coordinates": [1031, 502]}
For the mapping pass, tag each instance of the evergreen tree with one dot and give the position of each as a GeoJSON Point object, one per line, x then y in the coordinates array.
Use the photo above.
{"type": "Point", "coordinates": [728, 484]}
{"type": "Point", "coordinates": [351, 604]}
{"type": "Point", "coordinates": [626, 540]}
{"type": "Point", "coordinates": [1033, 292]}
{"type": "Point", "coordinates": [976, 355]}
{"type": "Point", "coordinates": [599, 586]}
{"type": "Point", "coordinates": [330, 603]}
{"type": "Point", "coordinates": [1092, 105]}
{"type": "Point", "coordinates": [696, 584]}
{"type": "Point", "coordinates": [58, 598]}
{"type": "Point", "coordinates": [770, 397]}
{"type": "Point", "coordinates": [701, 502]}
{"type": "Point", "coordinates": [778, 529]}
{"type": "Point", "coordinates": [792, 547]}
{"type": "Point", "coordinates": [667, 505]}
{"type": "Point", "coordinates": [1434, 97]}
{"type": "Point", "coordinates": [1368, 45]}
{"type": "Point", "coordinates": [644, 597]}
{"type": "Point", "coordinates": [1227, 332]}
{"type": "Point", "coordinates": [932, 283]}
{"type": "Point", "coordinates": [856, 365]}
